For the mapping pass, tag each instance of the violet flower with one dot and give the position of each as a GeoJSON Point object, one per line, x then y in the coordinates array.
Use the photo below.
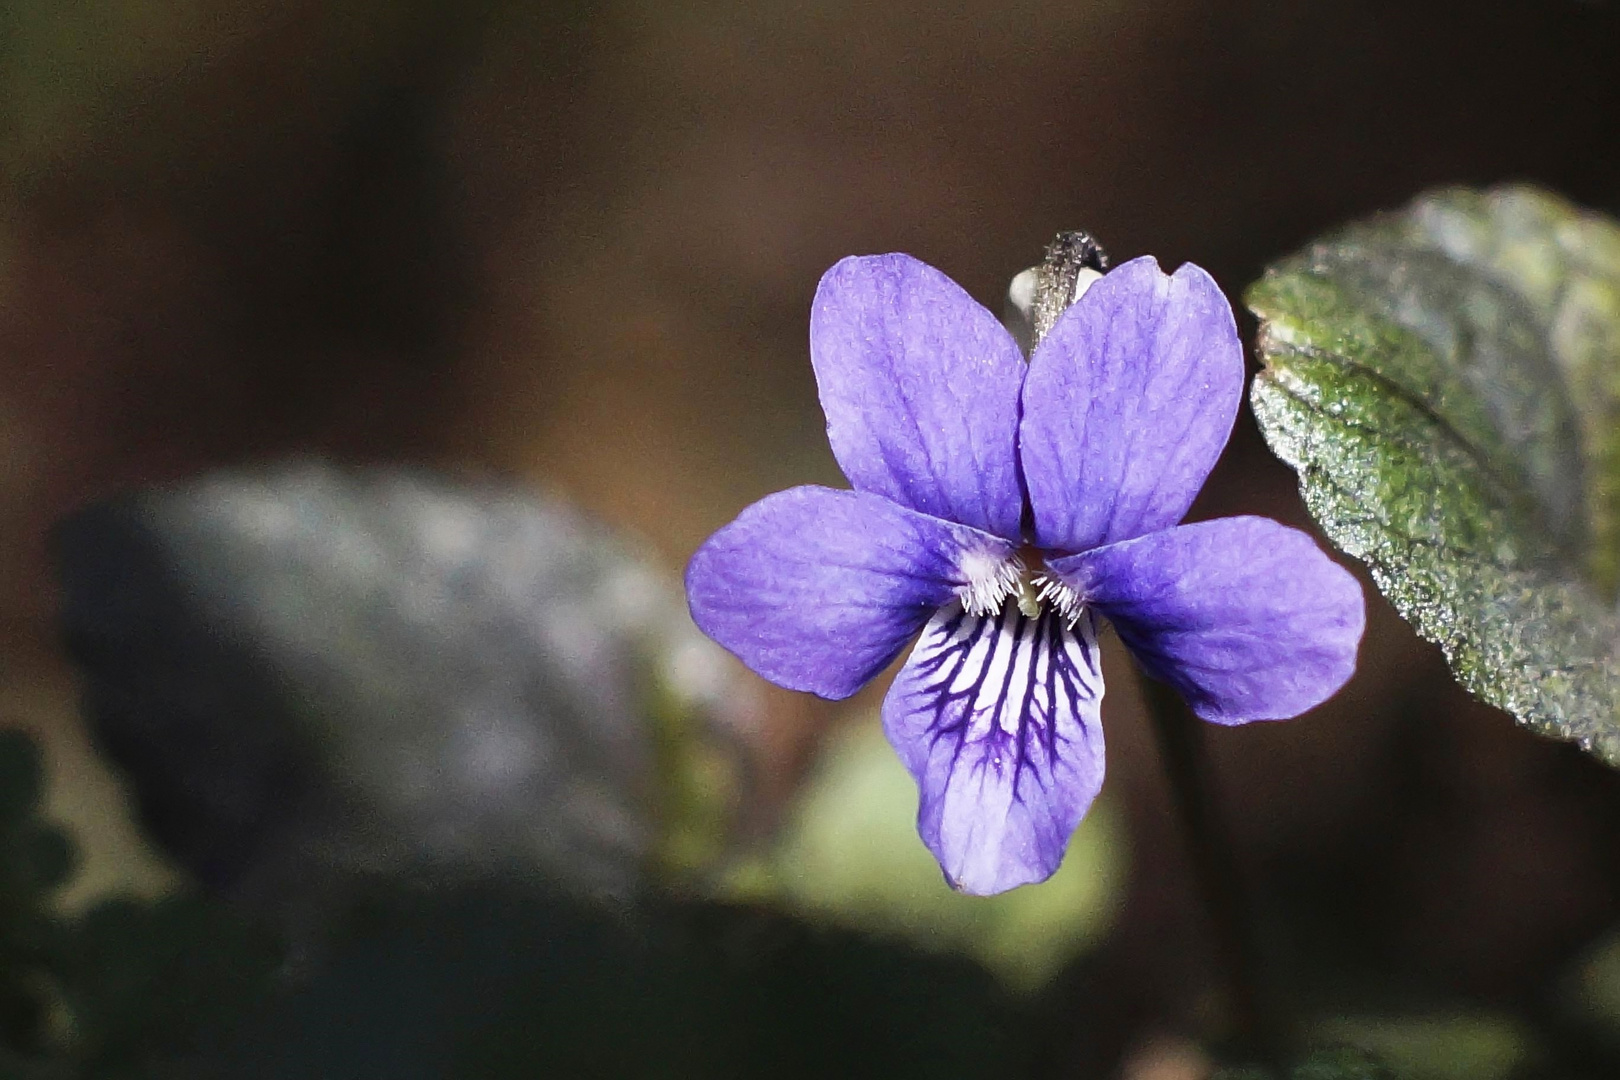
{"type": "Point", "coordinates": [1001, 507]}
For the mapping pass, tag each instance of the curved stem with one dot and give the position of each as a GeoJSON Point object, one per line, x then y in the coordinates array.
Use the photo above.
{"type": "Point", "coordinates": [1182, 749]}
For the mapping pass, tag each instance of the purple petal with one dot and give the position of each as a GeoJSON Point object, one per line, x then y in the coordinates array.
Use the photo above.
{"type": "Point", "coordinates": [819, 590]}
{"type": "Point", "coordinates": [1249, 619]}
{"type": "Point", "coordinates": [997, 718]}
{"type": "Point", "coordinates": [1128, 403]}
{"type": "Point", "coordinates": [920, 387]}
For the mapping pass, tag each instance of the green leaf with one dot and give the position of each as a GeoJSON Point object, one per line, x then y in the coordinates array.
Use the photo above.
{"type": "Point", "coordinates": [22, 777]}
{"type": "Point", "coordinates": [1340, 1063]}
{"type": "Point", "coordinates": [1446, 381]}
{"type": "Point", "coordinates": [1457, 1044]}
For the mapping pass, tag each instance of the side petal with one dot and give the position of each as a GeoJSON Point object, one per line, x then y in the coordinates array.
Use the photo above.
{"type": "Point", "coordinates": [818, 590]}
{"type": "Point", "coordinates": [997, 718]}
{"type": "Point", "coordinates": [920, 387]}
{"type": "Point", "coordinates": [1128, 403]}
{"type": "Point", "coordinates": [1249, 619]}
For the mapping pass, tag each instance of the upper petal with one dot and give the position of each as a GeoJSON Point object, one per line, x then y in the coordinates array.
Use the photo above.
{"type": "Point", "coordinates": [997, 717]}
{"type": "Point", "coordinates": [1128, 403]}
{"type": "Point", "coordinates": [920, 387]}
{"type": "Point", "coordinates": [1249, 619]}
{"type": "Point", "coordinates": [818, 590]}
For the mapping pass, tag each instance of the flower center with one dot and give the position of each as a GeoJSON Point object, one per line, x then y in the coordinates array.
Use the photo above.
{"type": "Point", "coordinates": [1021, 578]}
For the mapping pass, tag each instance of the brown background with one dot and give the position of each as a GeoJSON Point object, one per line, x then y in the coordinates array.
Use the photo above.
{"type": "Point", "coordinates": [576, 244]}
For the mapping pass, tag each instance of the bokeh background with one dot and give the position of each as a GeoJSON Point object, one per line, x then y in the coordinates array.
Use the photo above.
{"type": "Point", "coordinates": [574, 244]}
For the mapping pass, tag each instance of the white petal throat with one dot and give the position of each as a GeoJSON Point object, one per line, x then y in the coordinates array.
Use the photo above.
{"type": "Point", "coordinates": [993, 579]}
{"type": "Point", "coordinates": [990, 580]}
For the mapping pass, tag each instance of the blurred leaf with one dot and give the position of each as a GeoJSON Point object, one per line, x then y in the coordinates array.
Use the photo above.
{"type": "Point", "coordinates": [1446, 380]}
{"type": "Point", "coordinates": [1451, 1046]}
{"type": "Point", "coordinates": [1592, 992]}
{"type": "Point", "coordinates": [34, 859]}
{"type": "Point", "coordinates": [504, 982]}
{"type": "Point", "coordinates": [851, 856]}
{"type": "Point", "coordinates": [39, 856]}
{"type": "Point", "coordinates": [126, 989]}
{"type": "Point", "coordinates": [314, 673]}
{"type": "Point", "coordinates": [145, 983]}
{"type": "Point", "coordinates": [21, 777]}
{"type": "Point", "coordinates": [1340, 1063]}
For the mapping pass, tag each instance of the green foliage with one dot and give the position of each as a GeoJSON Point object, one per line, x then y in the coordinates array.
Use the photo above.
{"type": "Point", "coordinates": [1457, 1044]}
{"type": "Point", "coordinates": [141, 981]}
{"type": "Point", "coordinates": [33, 859]}
{"type": "Point", "coordinates": [122, 991]}
{"type": "Point", "coordinates": [1336, 1064]}
{"type": "Point", "coordinates": [850, 856]}
{"type": "Point", "coordinates": [1591, 993]}
{"type": "Point", "coordinates": [488, 981]}
{"type": "Point", "coordinates": [1445, 381]}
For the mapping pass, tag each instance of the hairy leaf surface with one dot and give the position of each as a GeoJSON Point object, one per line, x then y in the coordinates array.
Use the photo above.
{"type": "Point", "coordinates": [1446, 381]}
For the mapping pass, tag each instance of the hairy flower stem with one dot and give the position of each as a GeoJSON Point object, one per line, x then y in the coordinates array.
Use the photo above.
{"type": "Point", "coordinates": [1183, 751]}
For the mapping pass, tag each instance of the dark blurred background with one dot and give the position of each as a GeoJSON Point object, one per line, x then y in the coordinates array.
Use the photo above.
{"type": "Point", "coordinates": [574, 244]}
